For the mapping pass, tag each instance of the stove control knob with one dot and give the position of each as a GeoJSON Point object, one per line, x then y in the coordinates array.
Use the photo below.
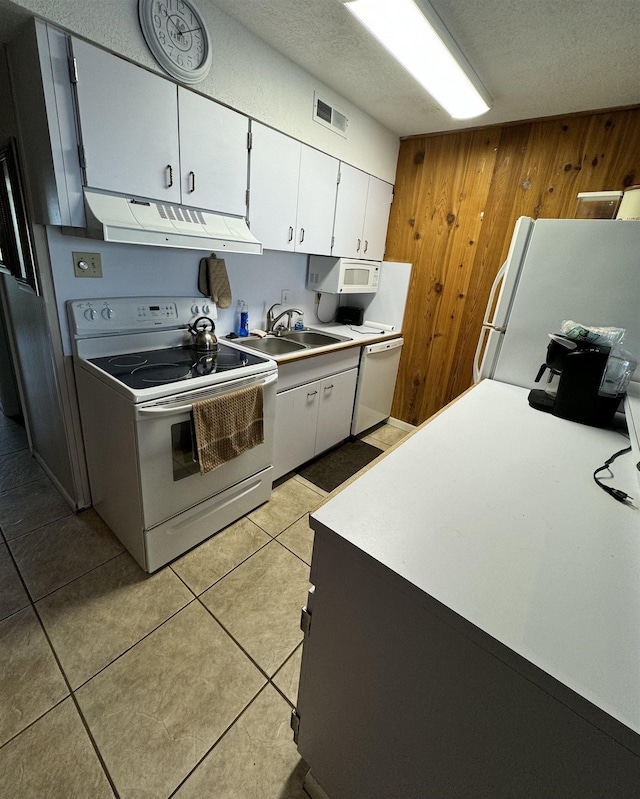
{"type": "Point", "coordinates": [90, 314]}
{"type": "Point", "coordinates": [205, 309]}
{"type": "Point", "coordinates": [107, 313]}
{"type": "Point", "coordinates": [195, 310]}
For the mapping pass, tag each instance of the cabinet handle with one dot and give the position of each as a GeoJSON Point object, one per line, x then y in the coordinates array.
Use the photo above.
{"type": "Point", "coordinates": [366, 245]}
{"type": "Point", "coordinates": [328, 388]}
{"type": "Point", "coordinates": [311, 393]}
{"type": "Point", "coordinates": [290, 234]}
{"type": "Point", "coordinates": [169, 176]}
{"type": "Point", "coordinates": [358, 247]}
{"type": "Point", "coordinates": [301, 235]}
{"type": "Point", "coordinates": [192, 182]}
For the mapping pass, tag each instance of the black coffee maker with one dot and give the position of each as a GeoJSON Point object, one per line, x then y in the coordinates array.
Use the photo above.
{"type": "Point", "coordinates": [576, 371]}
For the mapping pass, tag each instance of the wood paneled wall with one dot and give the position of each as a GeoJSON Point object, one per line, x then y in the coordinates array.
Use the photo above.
{"type": "Point", "coordinates": [457, 198]}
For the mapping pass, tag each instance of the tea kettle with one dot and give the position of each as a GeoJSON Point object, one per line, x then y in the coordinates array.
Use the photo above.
{"type": "Point", "coordinates": [204, 338]}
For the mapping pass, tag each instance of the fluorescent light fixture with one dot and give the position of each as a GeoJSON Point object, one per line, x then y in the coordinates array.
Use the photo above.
{"type": "Point", "coordinates": [415, 36]}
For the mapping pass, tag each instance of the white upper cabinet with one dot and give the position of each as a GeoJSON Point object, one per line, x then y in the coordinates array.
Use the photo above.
{"type": "Point", "coordinates": [213, 154]}
{"type": "Point", "coordinates": [362, 215]}
{"type": "Point", "coordinates": [316, 201]}
{"type": "Point", "coordinates": [292, 193]}
{"type": "Point", "coordinates": [142, 135]}
{"type": "Point", "coordinates": [376, 218]}
{"type": "Point", "coordinates": [351, 205]}
{"type": "Point", "coordinates": [273, 187]}
{"type": "Point", "coordinates": [128, 125]}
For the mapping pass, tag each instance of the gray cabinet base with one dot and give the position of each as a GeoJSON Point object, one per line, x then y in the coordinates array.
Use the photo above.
{"type": "Point", "coordinates": [313, 788]}
{"type": "Point", "coordinates": [400, 697]}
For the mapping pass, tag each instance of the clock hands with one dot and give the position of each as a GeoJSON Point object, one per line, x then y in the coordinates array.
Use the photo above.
{"type": "Point", "coordinates": [179, 30]}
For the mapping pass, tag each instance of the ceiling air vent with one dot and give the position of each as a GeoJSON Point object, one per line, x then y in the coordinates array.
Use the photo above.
{"type": "Point", "coordinates": [329, 116]}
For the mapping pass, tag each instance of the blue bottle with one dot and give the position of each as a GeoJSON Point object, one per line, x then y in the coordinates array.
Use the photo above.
{"type": "Point", "coordinates": [243, 319]}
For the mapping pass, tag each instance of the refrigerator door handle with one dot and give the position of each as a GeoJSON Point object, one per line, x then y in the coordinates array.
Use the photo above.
{"type": "Point", "coordinates": [487, 325]}
{"type": "Point", "coordinates": [489, 345]}
{"type": "Point", "coordinates": [492, 295]}
{"type": "Point", "coordinates": [484, 332]}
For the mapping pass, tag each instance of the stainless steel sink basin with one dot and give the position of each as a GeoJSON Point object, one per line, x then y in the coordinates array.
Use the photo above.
{"type": "Point", "coordinates": [313, 338]}
{"type": "Point", "coordinates": [293, 341]}
{"type": "Point", "coordinates": [273, 346]}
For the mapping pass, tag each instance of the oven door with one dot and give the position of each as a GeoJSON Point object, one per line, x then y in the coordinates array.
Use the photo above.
{"type": "Point", "coordinates": [170, 477]}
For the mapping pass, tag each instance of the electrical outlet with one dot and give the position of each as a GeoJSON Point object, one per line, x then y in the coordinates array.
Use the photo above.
{"type": "Point", "coordinates": [284, 297]}
{"type": "Point", "coordinates": [87, 264]}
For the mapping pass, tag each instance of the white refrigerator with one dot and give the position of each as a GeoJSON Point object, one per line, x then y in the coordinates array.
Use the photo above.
{"type": "Point", "coordinates": [587, 270]}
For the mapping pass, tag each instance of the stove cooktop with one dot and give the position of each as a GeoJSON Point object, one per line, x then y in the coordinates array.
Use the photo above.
{"type": "Point", "coordinates": [151, 368]}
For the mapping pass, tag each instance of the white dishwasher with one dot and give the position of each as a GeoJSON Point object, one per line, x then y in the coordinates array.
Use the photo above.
{"type": "Point", "coordinates": [376, 383]}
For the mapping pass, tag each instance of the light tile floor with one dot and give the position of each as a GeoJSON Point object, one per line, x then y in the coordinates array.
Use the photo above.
{"type": "Point", "coordinates": [115, 683]}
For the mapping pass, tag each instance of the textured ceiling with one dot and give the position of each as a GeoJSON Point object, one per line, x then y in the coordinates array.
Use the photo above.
{"type": "Point", "coordinates": [536, 57]}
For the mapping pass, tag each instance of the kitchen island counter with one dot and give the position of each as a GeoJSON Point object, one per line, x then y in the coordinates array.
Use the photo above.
{"type": "Point", "coordinates": [487, 520]}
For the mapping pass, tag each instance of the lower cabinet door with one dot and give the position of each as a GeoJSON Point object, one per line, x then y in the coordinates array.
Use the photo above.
{"type": "Point", "coordinates": [295, 427]}
{"type": "Point", "coordinates": [312, 418]}
{"type": "Point", "coordinates": [335, 409]}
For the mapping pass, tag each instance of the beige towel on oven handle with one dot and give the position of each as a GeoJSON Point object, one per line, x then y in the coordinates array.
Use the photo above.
{"type": "Point", "coordinates": [228, 425]}
{"type": "Point", "coordinates": [213, 280]}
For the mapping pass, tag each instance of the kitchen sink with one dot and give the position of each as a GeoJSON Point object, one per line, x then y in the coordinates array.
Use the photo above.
{"type": "Point", "coordinates": [293, 341]}
{"type": "Point", "coordinates": [313, 338]}
{"type": "Point", "coordinates": [273, 346]}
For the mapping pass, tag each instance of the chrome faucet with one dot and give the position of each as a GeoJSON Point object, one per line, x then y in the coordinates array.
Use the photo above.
{"type": "Point", "coordinates": [273, 321]}
{"type": "Point", "coordinates": [270, 317]}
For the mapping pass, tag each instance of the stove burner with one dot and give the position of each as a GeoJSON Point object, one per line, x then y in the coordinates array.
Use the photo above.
{"type": "Point", "coordinates": [150, 368]}
{"type": "Point", "coordinates": [127, 360]}
{"type": "Point", "coordinates": [231, 360]}
{"type": "Point", "coordinates": [164, 372]}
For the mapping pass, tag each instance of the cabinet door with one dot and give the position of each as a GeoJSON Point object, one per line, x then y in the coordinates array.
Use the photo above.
{"type": "Point", "coordinates": [213, 154]}
{"type": "Point", "coordinates": [337, 394]}
{"type": "Point", "coordinates": [128, 124]}
{"type": "Point", "coordinates": [376, 220]}
{"type": "Point", "coordinates": [350, 210]}
{"type": "Point", "coordinates": [317, 189]}
{"type": "Point", "coordinates": [273, 183]}
{"type": "Point", "coordinates": [295, 427]}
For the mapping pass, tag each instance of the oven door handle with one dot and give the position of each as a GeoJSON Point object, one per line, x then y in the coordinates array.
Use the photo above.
{"type": "Point", "coordinates": [159, 411]}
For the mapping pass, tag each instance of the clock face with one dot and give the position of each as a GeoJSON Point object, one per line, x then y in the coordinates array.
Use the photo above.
{"type": "Point", "coordinates": [177, 37]}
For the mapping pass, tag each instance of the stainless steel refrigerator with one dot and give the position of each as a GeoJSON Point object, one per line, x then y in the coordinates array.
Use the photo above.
{"type": "Point", "coordinates": [587, 270]}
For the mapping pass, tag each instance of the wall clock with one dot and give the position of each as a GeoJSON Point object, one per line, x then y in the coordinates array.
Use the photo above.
{"type": "Point", "coordinates": [177, 38]}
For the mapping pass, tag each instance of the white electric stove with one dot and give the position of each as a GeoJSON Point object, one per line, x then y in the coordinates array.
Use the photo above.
{"type": "Point", "coordinates": [138, 377]}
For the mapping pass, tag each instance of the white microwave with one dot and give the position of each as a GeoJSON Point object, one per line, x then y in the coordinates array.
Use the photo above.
{"type": "Point", "coordinates": [342, 275]}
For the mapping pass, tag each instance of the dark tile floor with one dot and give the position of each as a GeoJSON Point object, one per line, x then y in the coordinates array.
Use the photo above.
{"type": "Point", "coordinates": [116, 683]}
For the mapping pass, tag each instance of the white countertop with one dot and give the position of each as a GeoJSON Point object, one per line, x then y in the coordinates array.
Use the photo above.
{"type": "Point", "coordinates": [491, 509]}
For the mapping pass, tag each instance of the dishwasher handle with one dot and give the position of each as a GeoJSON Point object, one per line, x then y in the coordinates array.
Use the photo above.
{"type": "Point", "coordinates": [383, 346]}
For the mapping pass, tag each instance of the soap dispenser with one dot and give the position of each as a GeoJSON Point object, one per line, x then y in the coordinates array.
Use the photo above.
{"type": "Point", "coordinates": [243, 318]}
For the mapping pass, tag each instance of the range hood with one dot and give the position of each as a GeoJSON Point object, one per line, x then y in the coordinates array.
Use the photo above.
{"type": "Point", "coordinates": [113, 217]}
